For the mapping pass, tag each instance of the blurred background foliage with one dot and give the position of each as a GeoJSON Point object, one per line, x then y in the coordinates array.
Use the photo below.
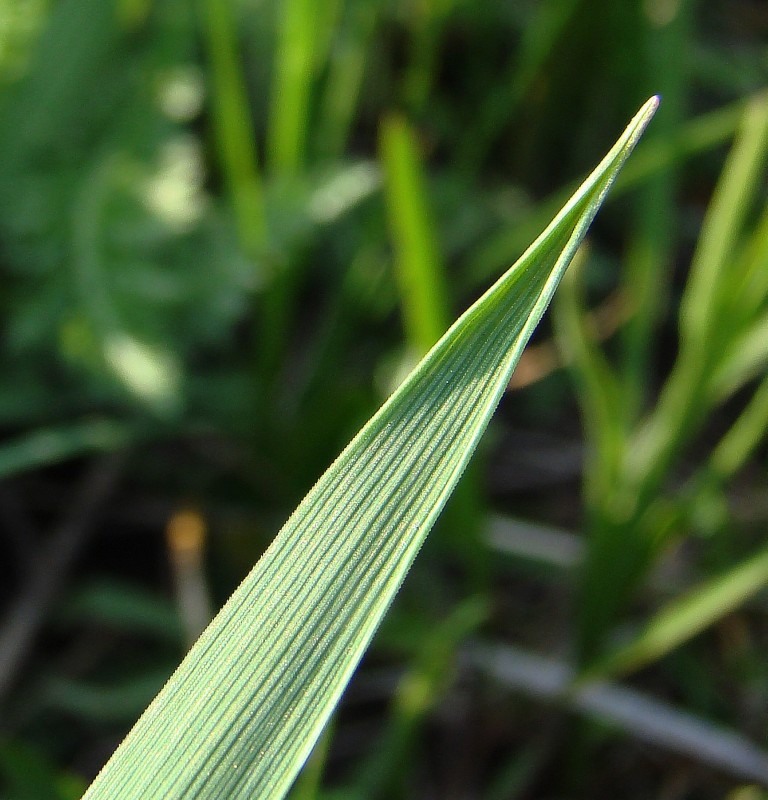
{"type": "Point", "coordinates": [228, 227]}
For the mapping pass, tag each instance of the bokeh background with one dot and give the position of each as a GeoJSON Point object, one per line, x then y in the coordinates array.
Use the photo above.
{"type": "Point", "coordinates": [229, 227]}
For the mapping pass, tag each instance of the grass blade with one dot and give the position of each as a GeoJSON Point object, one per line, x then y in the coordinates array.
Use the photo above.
{"type": "Point", "coordinates": [234, 128]}
{"type": "Point", "coordinates": [596, 382]}
{"type": "Point", "coordinates": [299, 37]}
{"type": "Point", "coordinates": [711, 273]}
{"type": "Point", "coordinates": [744, 435]}
{"type": "Point", "coordinates": [243, 711]}
{"type": "Point", "coordinates": [686, 617]}
{"type": "Point", "coordinates": [420, 271]}
{"type": "Point", "coordinates": [689, 391]}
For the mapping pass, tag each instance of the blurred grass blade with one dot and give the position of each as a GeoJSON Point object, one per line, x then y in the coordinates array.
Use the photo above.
{"type": "Point", "coordinates": [419, 271]}
{"type": "Point", "coordinates": [746, 353]}
{"type": "Point", "coordinates": [749, 296]}
{"type": "Point", "coordinates": [744, 360]}
{"type": "Point", "coordinates": [744, 435]}
{"type": "Point", "coordinates": [244, 709]}
{"type": "Point", "coordinates": [686, 617]}
{"type": "Point", "coordinates": [705, 340]}
{"type": "Point", "coordinates": [597, 384]}
{"type": "Point", "coordinates": [710, 279]}
{"type": "Point", "coordinates": [298, 40]}
{"type": "Point", "coordinates": [234, 127]}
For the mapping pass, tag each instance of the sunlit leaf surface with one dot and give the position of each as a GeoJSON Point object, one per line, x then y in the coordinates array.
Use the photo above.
{"type": "Point", "coordinates": [242, 712]}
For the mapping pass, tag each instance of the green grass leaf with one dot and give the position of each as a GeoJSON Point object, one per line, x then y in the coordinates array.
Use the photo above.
{"type": "Point", "coordinates": [233, 125]}
{"type": "Point", "coordinates": [423, 293]}
{"type": "Point", "coordinates": [242, 712]}
{"type": "Point", "coordinates": [686, 617]}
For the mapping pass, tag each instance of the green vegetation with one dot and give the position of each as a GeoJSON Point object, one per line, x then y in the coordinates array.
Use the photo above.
{"type": "Point", "coordinates": [228, 231]}
{"type": "Point", "coordinates": [241, 713]}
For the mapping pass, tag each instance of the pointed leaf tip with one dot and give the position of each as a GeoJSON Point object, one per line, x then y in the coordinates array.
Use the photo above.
{"type": "Point", "coordinates": [242, 712]}
{"type": "Point", "coordinates": [644, 116]}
